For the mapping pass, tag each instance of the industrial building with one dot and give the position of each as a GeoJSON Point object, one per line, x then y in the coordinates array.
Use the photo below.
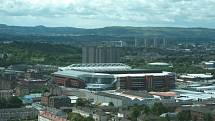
{"type": "Point", "coordinates": [100, 54]}
{"type": "Point", "coordinates": [160, 65]}
{"type": "Point", "coordinates": [113, 76]}
{"type": "Point", "coordinates": [122, 99]}
{"type": "Point", "coordinates": [210, 65]}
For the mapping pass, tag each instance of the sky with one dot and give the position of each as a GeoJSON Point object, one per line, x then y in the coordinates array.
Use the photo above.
{"type": "Point", "coordinates": [102, 13]}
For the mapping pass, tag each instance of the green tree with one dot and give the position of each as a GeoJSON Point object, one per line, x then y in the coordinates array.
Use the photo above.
{"type": "Point", "coordinates": [111, 104]}
{"type": "Point", "coordinates": [78, 117]}
{"type": "Point", "coordinates": [135, 113]}
{"type": "Point", "coordinates": [89, 118]}
{"type": "Point", "coordinates": [3, 103]}
{"type": "Point", "coordinates": [207, 117]}
{"type": "Point", "coordinates": [146, 110]}
{"type": "Point", "coordinates": [159, 108]}
{"type": "Point", "coordinates": [163, 119]}
{"type": "Point", "coordinates": [14, 102]}
{"type": "Point", "coordinates": [81, 102]}
{"type": "Point", "coordinates": [75, 117]}
{"type": "Point", "coordinates": [184, 116]}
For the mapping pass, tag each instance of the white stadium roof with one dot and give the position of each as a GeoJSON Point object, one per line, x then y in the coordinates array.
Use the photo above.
{"type": "Point", "coordinates": [97, 67]}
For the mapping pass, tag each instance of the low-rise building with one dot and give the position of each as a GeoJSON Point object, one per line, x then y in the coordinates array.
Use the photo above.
{"type": "Point", "coordinates": [33, 84]}
{"type": "Point", "coordinates": [32, 98]}
{"type": "Point", "coordinates": [124, 99]}
{"type": "Point", "coordinates": [22, 90]}
{"type": "Point", "coordinates": [26, 87]}
{"type": "Point", "coordinates": [6, 94]}
{"type": "Point", "coordinates": [53, 91]}
{"type": "Point", "coordinates": [59, 101]}
{"type": "Point", "coordinates": [160, 65]}
{"type": "Point", "coordinates": [48, 116]}
{"type": "Point", "coordinates": [210, 65]}
{"type": "Point", "coordinates": [33, 74]}
{"type": "Point", "coordinates": [196, 77]}
{"type": "Point", "coordinates": [165, 97]}
{"type": "Point", "coordinates": [18, 114]}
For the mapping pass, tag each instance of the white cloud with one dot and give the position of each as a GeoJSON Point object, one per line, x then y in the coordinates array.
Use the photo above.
{"type": "Point", "coordinates": [97, 13]}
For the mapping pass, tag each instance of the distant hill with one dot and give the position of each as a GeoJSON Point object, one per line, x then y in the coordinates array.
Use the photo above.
{"type": "Point", "coordinates": [190, 34]}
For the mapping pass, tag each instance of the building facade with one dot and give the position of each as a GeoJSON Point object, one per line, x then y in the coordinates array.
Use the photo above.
{"type": "Point", "coordinates": [147, 81]}
{"type": "Point", "coordinates": [48, 116]}
{"type": "Point", "coordinates": [59, 101]}
{"type": "Point", "coordinates": [18, 114]}
{"type": "Point", "coordinates": [6, 94]}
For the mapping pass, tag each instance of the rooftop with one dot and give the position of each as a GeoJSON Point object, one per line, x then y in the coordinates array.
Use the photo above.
{"type": "Point", "coordinates": [144, 74]}
{"type": "Point", "coordinates": [164, 94]}
{"type": "Point", "coordinates": [128, 94]}
{"type": "Point", "coordinates": [52, 116]}
{"type": "Point", "coordinates": [33, 95]}
{"type": "Point", "coordinates": [60, 97]}
{"type": "Point", "coordinates": [192, 76]}
{"type": "Point", "coordinates": [193, 95]}
{"type": "Point", "coordinates": [97, 67]}
{"type": "Point", "coordinates": [159, 64]}
{"type": "Point", "coordinates": [35, 80]}
{"type": "Point", "coordinates": [79, 74]}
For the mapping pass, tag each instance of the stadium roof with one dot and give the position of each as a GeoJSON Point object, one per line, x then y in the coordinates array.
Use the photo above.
{"type": "Point", "coordinates": [143, 74]}
{"type": "Point", "coordinates": [97, 67]}
{"type": "Point", "coordinates": [79, 74]}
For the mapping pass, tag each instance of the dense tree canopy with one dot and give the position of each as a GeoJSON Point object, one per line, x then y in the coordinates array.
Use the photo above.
{"type": "Point", "coordinates": [38, 53]}
{"type": "Point", "coordinates": [78, 117]}
{"type": "Point", "coordinates": [12, 102]}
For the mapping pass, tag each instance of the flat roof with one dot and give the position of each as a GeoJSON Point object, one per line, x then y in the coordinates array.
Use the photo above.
{"type": "Point", "coordinates": [206, 87]}
{"type": "Point", "coordinates": [192, 76]}
{"type": "Point", "coordinates": [164, 94]}
{"type": "Point", "coordinates": [79, 74]}
{"type": "Point", "coordinates": [135, 71]}
{"type": "Point", "coordinates": [193, 95]}
{"type": "Point", "coordinates": [143, 74]}
{"type": "Point", "coordinates": [35, 80]}
{"type": "Point", "coordinates": [125, 95]}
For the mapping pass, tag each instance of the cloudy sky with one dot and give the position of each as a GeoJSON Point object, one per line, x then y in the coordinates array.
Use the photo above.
{"type": "Point", "coordinates": [100, 13]}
